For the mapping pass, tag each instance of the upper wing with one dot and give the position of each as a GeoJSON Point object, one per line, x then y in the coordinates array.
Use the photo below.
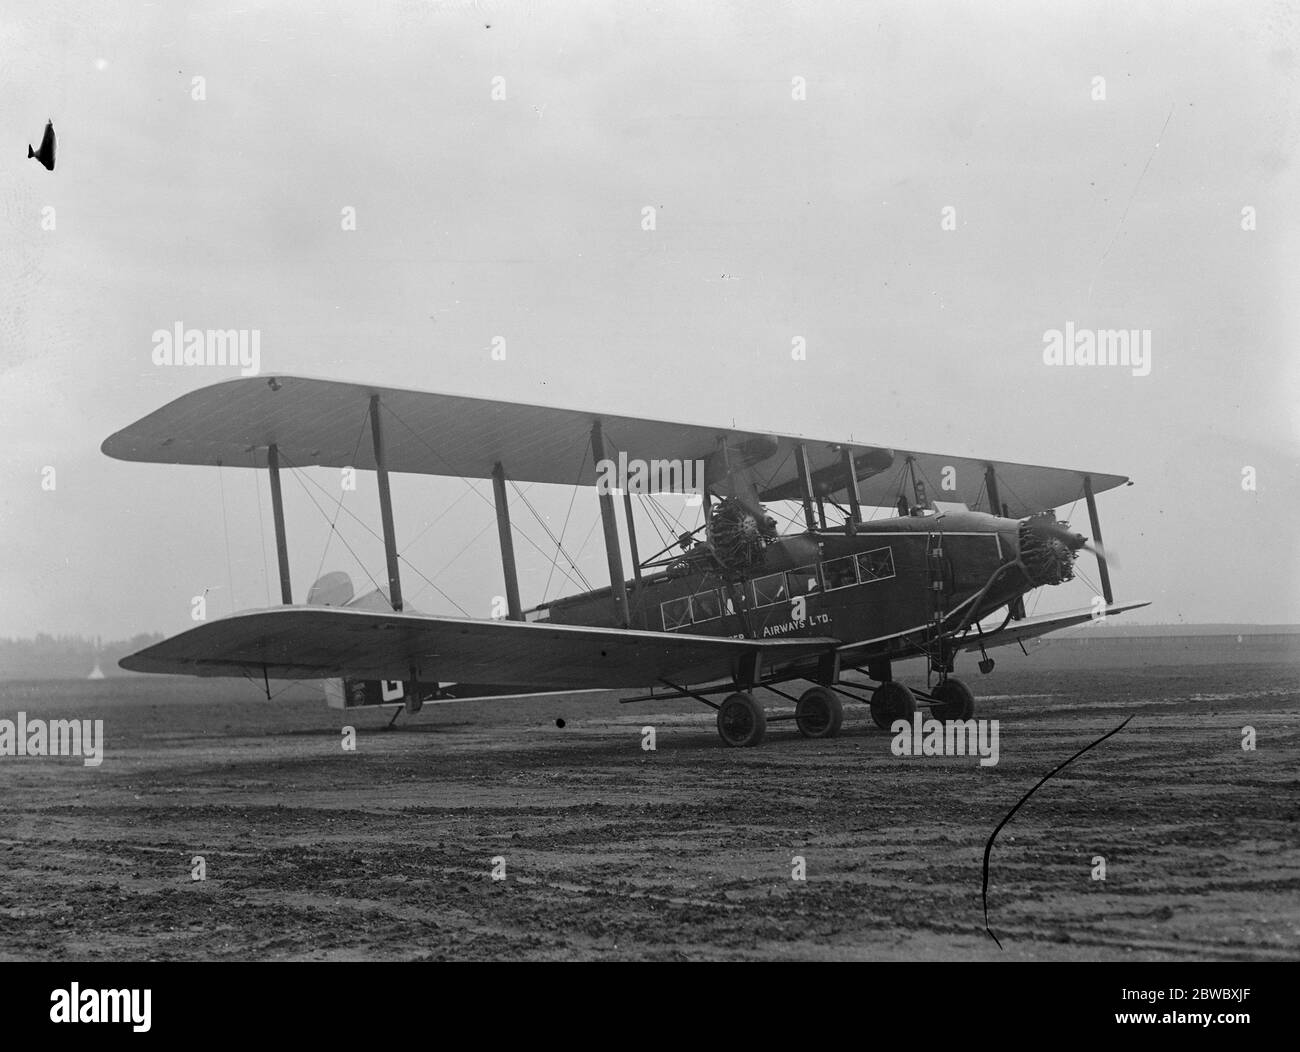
{"type": "Point", "coordinates": [1016, 631]}
{"type": "Point", "coordinates": [326, 642]}
{"type": "Point", "coordinates": [323, 422]}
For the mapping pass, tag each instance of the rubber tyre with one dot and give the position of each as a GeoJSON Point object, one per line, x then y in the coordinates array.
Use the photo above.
{"type": "Point", "coordinates": [890, 702]}
{"type": "Point", "coordinates": [954, 701]}
{"type": "Point", "coordinates": [741, 721]}
{"type": "Point", "coordinates": [819, 713]}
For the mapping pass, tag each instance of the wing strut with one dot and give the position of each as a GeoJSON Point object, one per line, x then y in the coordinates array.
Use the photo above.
{"type": "Point", "coordinates": [277, 512]}
{"type": "Point", "coordinates": [632, 545]}
{"type": "Point", "coordinates": [805, 486]}
{"type": "Point", "coordinates": [918, 488]}
{"type": "Point", "coordinates": [991, 487]}
{"type": "Point", "coordinates": [1096, 539]}
{"type": "Point", "coordinates": [851, 482]}
{"type": "Point", "coordinates": [613, 553]}
{"type": "Point", "coordinates": [385, 506]}
{"type": "Point", "coordinates": [507, 542]}
{"type": "Point", "coordinates": [1016, 608]}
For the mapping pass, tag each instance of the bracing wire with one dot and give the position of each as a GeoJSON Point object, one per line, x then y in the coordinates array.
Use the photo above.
{"type": "Point", "coordinates": [333, 528]}
{"type": "Point", "coordinates": [424, 442]}
{"type": "Point", "coordinates": [447, 565]}
{"type": "Point", "coordinates": [559, 547]}
{"type": "Point", "coordinates": [339, 507]}
{"type": "Point", "coordinates": [564, 529]}
{"type": "Point", "coordinates": [366, 526]}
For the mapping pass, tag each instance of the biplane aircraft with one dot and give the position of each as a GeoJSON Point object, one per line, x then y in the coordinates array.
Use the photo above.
{"type": "Point", "coordinates": [729, 609]}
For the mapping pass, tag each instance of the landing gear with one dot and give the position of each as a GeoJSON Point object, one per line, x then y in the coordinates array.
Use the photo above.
{"type": "Point", "coordinates": [890, 702]}
{"type": "Point", "coordinates": [952, 701]}
{"type": "Point", "coordinates": [741, 720]}
{"type": "Point", "coordinates": [819, 713]}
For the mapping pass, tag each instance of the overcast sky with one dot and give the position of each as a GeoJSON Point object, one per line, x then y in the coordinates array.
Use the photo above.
{"type": "Point", "coordinates": [776, 217]}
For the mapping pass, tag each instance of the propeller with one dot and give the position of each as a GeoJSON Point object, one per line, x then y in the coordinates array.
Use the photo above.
{"type": "Point", "coordinates": [1074, 541]}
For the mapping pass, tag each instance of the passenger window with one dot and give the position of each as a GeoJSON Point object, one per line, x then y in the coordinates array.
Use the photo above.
{"type": "Point", "coordinates": [876, 565]}
{"type": "Point", "coordinates": [802, 581]}
{"type": "Point", "coordinates": [769, 589]}
{"type": "Point", "coordinates": [676, 612]}
{"type": "Point", "coordinates": [705, 606]}
{"type": "Point", "coordinates": [839, 573]}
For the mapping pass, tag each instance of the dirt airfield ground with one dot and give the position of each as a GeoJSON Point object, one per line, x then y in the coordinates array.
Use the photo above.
{"type": "Point", "coordinates": [684, 853]}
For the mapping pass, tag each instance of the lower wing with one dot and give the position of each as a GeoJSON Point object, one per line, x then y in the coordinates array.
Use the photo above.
{"type": "Point", "coordinates": [329, 642]}
{"type": "Point", "coordinates": [1018, 631]}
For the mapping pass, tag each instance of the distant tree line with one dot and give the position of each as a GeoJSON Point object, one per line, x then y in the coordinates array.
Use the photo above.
{"type": "Point", "coordinates": [67, 657]}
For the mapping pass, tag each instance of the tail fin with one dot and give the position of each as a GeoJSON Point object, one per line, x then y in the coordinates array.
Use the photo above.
{"type": "Point", "coordinates": [334, 589]}
{"type": "Point", "coordinates": [30, 151]}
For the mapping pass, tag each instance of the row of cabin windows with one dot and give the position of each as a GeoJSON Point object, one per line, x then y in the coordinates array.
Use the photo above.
{"type": "Point", "coordinates": [875, 565]}
{"type": "Point", "coordinates": [703, 606]}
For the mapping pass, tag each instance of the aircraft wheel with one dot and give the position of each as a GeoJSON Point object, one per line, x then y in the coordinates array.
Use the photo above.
{"type": "Point", "coordinates": [819, 713]}
{"type": "Point", "coordinates": [955, 701]}
{"type": "Point", "coordinates": [741, 720]}
{"type": "Point", "coordinates": [890, 702]}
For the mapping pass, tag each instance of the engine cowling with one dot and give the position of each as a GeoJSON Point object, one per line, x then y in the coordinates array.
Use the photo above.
{"type": "Point", "coordinates": [1048, 550]}
{"type": "Point", "coordinates": [739, 536]}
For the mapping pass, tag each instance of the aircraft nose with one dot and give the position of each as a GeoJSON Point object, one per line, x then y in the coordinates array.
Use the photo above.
{"type": "Point", "coordinates": [1047, 550]}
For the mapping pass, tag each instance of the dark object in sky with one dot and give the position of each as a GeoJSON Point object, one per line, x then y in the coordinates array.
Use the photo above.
{"type": "Point", "coordinates": [46, 153]}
